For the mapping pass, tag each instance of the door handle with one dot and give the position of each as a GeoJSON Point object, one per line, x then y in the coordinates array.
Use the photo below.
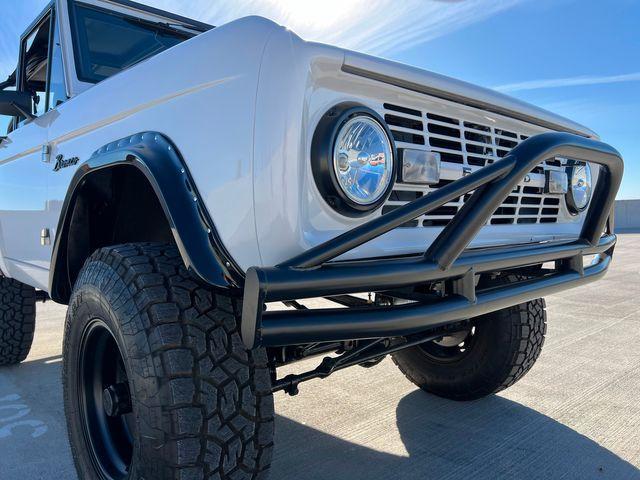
{"type": "Point", "coordinates": [45, 237]}
{"type": "Point", "coordinates": [46, 153]}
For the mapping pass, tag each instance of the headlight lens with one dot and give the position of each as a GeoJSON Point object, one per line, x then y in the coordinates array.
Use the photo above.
{"type": "Point", "coordinates": [363, 160]}
{"type": "Point", "coordinates": [580, 187]}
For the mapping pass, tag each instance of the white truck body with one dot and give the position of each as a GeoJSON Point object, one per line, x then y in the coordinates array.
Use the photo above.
{"type": "Point", "coordinates": [184, 190]}
{"type": "Point", "coordinates": [241, 102]}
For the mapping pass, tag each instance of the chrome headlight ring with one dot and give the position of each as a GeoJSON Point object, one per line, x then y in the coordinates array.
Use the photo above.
{"type": "Point", "coordinates": [353, 159]}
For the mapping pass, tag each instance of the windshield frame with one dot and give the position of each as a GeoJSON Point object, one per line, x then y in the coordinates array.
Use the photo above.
{"type": "Point", "coordinates": [188, 22]}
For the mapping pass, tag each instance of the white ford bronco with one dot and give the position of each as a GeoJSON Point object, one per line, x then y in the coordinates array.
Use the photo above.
{"type": "Point", "coordinates": [186, 189]}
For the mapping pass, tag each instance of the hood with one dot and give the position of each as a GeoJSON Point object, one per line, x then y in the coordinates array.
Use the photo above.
{"type": "Point", "coordinates": [447, 88]}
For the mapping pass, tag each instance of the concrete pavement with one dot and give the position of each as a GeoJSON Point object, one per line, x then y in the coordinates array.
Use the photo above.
{"type": "Point", "coordinates": [576, 415]}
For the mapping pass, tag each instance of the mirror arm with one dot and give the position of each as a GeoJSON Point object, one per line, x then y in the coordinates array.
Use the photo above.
{"type": "Point", "coordinates": [9, 82]}
{"type": "Point", "coordinates": [25, 113]}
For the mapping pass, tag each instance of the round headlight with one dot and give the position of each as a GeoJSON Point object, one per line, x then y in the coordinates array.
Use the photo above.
{"type": "Point", "coordinates": [353, 159]}
{"type": "Point", "coordinates": [363, 160]}
{"type": "Point", "coordinates": [580, 187]}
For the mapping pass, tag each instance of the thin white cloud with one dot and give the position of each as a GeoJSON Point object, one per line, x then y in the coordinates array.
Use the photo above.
{"type": "Point", "coordinates": [372, 26]}
{"type": "Point", "coordinates": [569, 82]}
{"type": "Point", "coordinates": [379, 27]}
{"type": "Point", "coordinates": [13, 21]}
{"type": "Point", "coordinates": [8, 50]}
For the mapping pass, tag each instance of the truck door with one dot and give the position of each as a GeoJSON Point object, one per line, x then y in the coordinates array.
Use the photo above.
{"type": "Point", "coordinates": [25, 242]}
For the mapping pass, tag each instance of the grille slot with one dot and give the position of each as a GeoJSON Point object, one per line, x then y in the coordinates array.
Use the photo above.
{"type": "Point", "coordinates": [460, 143]}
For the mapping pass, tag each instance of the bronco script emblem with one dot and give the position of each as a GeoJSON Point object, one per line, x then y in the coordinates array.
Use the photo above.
{"type": "Point", "coordinates": [61, 162]}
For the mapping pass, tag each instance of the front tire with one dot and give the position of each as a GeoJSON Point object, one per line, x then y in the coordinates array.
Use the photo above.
{"type": "Point", "coordinates": [498, 350]}
{"type": "Point", "coordinates": [157, 383]}
{"type": "Point", "coordinates": [17, 320]}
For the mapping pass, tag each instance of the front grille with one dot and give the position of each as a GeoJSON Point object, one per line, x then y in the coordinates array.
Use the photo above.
{"type": "Point", "coordinates": [469, 145]}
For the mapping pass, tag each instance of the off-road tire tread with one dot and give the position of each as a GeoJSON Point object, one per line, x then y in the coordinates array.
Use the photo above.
{"type": "Point", "coordinates": [207, 401]}
{"type": "Point", "coordinates": [17, 320]}
{"type": "Point", "coordinates": [523, 346]}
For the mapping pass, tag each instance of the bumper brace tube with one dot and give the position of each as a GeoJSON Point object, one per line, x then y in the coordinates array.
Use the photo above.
{"type": "Point", "coordinates": [336, 324]}
{"type": "Point", "coordinates": [310, 274]}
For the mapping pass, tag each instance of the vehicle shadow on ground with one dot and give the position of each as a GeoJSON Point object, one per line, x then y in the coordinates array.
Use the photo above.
{"type": "Point", "coordinates": [38, 379]}
{"type": "Point", "coordinates": [33, 437]}
{"type": "Point", "coordinates": [486, 439]}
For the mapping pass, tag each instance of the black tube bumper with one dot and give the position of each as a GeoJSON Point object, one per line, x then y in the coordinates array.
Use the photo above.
{"type": "Point", "coordinates": [312, 274]}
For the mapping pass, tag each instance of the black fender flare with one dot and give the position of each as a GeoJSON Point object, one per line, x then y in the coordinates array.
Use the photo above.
{"type": "Point", "coordinates": [192, 228]}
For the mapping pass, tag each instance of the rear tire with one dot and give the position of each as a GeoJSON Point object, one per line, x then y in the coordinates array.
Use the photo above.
{"type": "Point", "coordinates": [183, 399]}
{"type": "Point", "coordinates": [497, 352]}
{"type": "Point", "coordinates": [17, 320]}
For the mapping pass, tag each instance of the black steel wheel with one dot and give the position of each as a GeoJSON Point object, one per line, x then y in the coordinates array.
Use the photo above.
{"type": "Point", "coordinates": [104, 396]}
{"type": "Point", "coordinates": [157, 382]}
{"type": "Point", "coordinates": [450, 348]}
{"type": "Point", "coordinates": [494, 353]}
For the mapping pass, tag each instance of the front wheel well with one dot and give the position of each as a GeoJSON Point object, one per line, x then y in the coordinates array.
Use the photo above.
{"type": "Point", "coordinates": [112, 206]}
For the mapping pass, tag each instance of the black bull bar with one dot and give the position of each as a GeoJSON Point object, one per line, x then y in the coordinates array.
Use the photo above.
{"type": "Point", "coordinates": [312, 274]}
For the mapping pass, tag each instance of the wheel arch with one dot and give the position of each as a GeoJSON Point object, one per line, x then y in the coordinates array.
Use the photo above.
{"type": "Point", "coordinates": [137, 189]}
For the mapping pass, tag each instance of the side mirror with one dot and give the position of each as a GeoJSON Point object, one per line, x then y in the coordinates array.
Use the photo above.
{"type": "Point", "coordinates": [15, 104]}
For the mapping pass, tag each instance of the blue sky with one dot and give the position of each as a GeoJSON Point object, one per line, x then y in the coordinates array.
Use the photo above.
{"type": "Point", "coordinates": [578, 58]}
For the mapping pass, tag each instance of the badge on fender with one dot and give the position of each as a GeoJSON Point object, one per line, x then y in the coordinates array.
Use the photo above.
{"type": "Point", "coordinates": [61, 162]}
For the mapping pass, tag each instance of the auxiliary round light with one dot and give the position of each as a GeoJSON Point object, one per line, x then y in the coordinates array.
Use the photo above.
{"type": "Point", "coordinates": [363, 160]}
{"type": "Point", "coordinates": [580, 187]}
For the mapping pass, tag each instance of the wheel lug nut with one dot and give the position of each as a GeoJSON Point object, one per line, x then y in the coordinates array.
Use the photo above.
{"type": "Point", "coordinates": [116, 400]}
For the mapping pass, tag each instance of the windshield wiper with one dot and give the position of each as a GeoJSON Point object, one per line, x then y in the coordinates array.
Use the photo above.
{"type": "Point", "coordinates": [168, 27]}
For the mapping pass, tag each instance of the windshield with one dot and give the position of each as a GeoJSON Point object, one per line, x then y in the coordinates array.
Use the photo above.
{"type": "Point", "coordinates": [107, 42]}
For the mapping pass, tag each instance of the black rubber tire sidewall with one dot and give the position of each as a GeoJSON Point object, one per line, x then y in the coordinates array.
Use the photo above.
{"type": "Point", "coordinates": [150, 302]}
{"type": "Point", "coordinates": [88, 305]}
{"type": "Point", "coordinates": [17, 320]}
{"type": "Point", "coordinates": [507, 343]}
